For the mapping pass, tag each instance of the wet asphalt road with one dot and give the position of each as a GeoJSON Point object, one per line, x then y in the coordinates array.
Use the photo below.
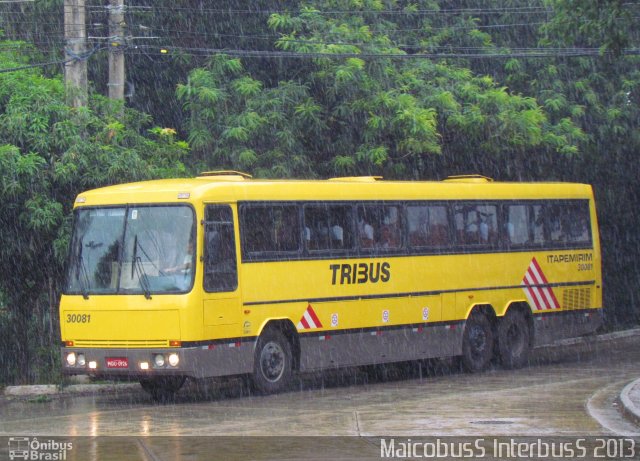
{"type": "Point", "coordinates": [567, 391]}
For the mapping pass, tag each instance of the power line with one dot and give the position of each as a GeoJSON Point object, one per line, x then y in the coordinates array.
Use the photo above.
{"type": "Point", "coordinates": [75, 57]}
{"type": "Point", "coordinates": [523, 53]}
{"type": "Point", "coordinates": [446, 11]}
{"type": "Point", "coordinates": [31, 66]}
{"type": "Point", "coordinates": [277, 37]}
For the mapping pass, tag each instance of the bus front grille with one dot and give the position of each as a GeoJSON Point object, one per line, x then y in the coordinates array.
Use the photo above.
{"type": "Point", "coordinates": [121, 343]}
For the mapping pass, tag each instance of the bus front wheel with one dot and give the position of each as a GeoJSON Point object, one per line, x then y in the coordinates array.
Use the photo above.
{"type": "Point", "coordinates": [272, 367]}
{"type": "Point", "coordinates": [514, 339]}
{"type": "Point", "coordinates": [477, 343]}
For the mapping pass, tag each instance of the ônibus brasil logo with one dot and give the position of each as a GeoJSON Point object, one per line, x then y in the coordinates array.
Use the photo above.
{"type": "Point", "coordinates": [42, 450]}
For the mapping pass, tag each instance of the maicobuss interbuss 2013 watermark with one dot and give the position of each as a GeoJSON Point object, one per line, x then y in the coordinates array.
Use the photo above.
{"type": "Point", "coordinates": [317, 448]}
{"type": "Point", "coordinates": [38, 449]}
{"type": "Point", "coordinates": [505, 448]}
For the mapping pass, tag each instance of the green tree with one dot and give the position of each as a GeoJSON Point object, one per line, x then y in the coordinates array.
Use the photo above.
{"type": "Point", "coordinates": [360, 104]}
{"type": "Point", "coordinates": [49, 152]}
{"type": "Point", "coordinates": [605, 91]}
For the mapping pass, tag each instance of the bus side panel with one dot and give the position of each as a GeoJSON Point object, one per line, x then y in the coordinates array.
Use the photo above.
{"type": "Point", "coordinates": [223, 360]}
{"type": "Point", "coordinates": [379, 346]}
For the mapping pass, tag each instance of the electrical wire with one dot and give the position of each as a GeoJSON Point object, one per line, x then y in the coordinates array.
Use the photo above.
{"type": "Point", "coordinates": [446, 11]}
{"type": "Point", "coordinates": [440, 11]}
{"type": "Point", "coordinates": [540, 53]}
{"type": "Point", "coordinates": [181, 33]}
{"type": "Point", "coordinates": [74, 57]}
{"type": "Point", "coordinates": [31, 66]}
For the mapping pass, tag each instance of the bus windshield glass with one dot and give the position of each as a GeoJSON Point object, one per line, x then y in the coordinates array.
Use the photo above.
{"type": "Point", "coordinates": [132, 250]}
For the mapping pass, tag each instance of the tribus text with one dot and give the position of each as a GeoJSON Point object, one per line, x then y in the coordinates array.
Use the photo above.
{"type": "Point", "coordinates": [348, 274]}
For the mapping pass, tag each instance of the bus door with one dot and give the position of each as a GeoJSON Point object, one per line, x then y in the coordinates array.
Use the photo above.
{"type": "Point", "coordinates": [221, 312]}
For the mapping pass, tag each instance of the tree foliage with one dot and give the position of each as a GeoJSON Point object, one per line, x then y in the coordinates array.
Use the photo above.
{"type": "Point", "coordinates": [363, 111]}
{"type": "Point", "coordinates": [49, 152]}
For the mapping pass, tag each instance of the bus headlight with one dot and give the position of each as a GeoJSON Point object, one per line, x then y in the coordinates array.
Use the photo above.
{"type": "Point", "coordinates": [174, 359]}
{"type": "Point", "coordinates": [81, 360]}
{"type": "Point", "coordinates": [71, 359]}
{"type": "Point", "coordinates": [158, 359]}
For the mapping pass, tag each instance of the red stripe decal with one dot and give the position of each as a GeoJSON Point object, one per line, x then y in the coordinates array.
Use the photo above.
{"type": "Point", "coordinates": [314, 317]}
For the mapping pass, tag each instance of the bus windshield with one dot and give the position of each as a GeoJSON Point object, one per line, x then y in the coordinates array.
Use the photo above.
{"type": "Point", "coordinates": [132, 250]}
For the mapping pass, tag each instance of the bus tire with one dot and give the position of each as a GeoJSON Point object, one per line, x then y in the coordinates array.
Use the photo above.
{"type": "Point", "coordinates": [272, 365]}
{"type": "Point", "coordinates": [514, 339]}
{"type": "Point", "coordinates": [477, 343]}
{"type": "Point", "coordinates": [162, 389]}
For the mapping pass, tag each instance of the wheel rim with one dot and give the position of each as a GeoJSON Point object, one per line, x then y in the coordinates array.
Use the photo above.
{"type": "Point", "coordinates": [272, 361]}
{"type": "Point", "coordinates": [477, 340]}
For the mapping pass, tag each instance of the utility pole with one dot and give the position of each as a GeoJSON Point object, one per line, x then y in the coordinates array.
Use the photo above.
{"type": "Point", "coordinates": [116, 51]}
{"type": "Point", "coordinates": [75, 71]}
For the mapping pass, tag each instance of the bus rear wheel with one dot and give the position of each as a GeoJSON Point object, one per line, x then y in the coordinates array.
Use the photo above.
{"type": "Point", "coordinates": [162, 389]}
{"type": "Point", "coordinates": [272, 366]}
{"type": "Point", "coordinates": [514, 339]}
{"type": "Point", "coordinates": [477, 343]}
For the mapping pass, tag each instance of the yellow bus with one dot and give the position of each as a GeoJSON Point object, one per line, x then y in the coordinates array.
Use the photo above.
{"type": "Point", "coordinates": [223, 274]}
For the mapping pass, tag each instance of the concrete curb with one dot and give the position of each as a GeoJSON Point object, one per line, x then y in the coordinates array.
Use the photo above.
{"type": "Point", "coordinates": [630, 399]}
{"type": "Point", "coordinates": [53, 389]}
{"type": "Point", "coordinates": [597, 338]}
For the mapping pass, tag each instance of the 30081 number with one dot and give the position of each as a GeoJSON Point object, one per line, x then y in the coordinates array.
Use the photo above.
{"type": "Point", "coordinates": [78, 318]}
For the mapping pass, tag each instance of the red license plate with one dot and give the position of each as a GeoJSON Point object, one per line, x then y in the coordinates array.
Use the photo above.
{"type": "Point", "coordinates": [117, 362]}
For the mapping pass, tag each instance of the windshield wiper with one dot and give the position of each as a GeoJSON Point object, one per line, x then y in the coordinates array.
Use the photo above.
{"type": "Point", "coordinates": [138, 267]}
{"type": "Point", "coordinates": [81, 270]}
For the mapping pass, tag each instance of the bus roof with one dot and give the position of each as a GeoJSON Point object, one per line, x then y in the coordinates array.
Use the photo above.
{"type": "Point", "coordinates": [236, 187]}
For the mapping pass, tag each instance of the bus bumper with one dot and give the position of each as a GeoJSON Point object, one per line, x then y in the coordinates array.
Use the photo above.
{"type": "Point", "coordinates": [554, 326]}
{"type": "Point", "coordinates": [195, 362]}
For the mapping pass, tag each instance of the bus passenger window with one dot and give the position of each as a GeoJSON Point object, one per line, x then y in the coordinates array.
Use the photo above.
{"type": "Point", "coordinates": [578, 226]}
{"type": "Point", "coordinates": [337, 236]}
{"type": "Point", "coordinates": [428, 226]}
{"type": "Point", "coordinates": [476, 224]}
{"type": "Point", "coordinates": [328, 227]}
{"type": "Point", "coordinates": [220, 268]}
{"type": "Point", "coordinates": [567, 223]}
{"type": "Point", "coordinates": [536, 224]}
{"type": "Point", "coordinates": [554, 218]}
{"type": "Point", "coordinates": [269, 229]}
{"type": "Point", "coordinates": [517, 225]}
{"type": "Point", "coordinates": [285, 222]}
{"type": "Point", "coordinates": [379, 227]}
{"type": "Point", "coordinates": [365, 234]}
